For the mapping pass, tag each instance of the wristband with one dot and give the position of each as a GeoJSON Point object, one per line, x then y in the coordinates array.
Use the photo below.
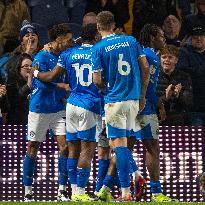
{"type": "Point", "coordinates": [35, 73]}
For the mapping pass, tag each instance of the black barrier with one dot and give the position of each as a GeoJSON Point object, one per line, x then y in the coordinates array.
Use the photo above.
{"type": "Point", "coordinates": [182, 159]}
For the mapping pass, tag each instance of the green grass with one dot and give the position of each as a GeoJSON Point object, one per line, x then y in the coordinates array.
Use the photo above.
{"type": "Point", "coordinates": [98, 203]}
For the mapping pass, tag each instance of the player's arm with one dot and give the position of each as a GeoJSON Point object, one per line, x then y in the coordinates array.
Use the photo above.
{"type": "Point", "coordinates": [145, 75]}
{"type": "Point", "coordinates": [49, 75]}
{"type": "Point", "coordinates": [97, 79]}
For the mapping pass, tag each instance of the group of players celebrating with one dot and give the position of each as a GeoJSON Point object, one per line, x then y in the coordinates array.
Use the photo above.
{"type": "Point", "coordinates": [111, 82]}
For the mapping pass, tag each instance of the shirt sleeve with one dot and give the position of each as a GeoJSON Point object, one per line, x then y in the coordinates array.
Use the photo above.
{"type": "Point", "coordinates": [62, 60]}
{"type": "Point", "coordinates": [140, 52]}
{"type": "Point", "coordinates": [96, 60]}
{"type": "Point", "coordinates": [41, 61]}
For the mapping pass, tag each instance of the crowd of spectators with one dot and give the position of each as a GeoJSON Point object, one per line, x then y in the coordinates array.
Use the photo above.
{"type": "Point", "coordinates": [24, 29]}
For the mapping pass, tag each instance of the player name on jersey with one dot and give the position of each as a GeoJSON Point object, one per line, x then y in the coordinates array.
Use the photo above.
{"type": "Point", "coordinates": [117, 46]}
{"type": "Point", "coordinates": [81, 56]}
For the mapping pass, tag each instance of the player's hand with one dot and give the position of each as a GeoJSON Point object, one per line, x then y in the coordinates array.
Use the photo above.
{"type": "Point", "coordinates": [36, 67]}
{"type": "Point", "coordinates": [142, 103]}
{"type": "Point", "coordinates": [47, 47]}
{"type": "Point", "coordinates": [64, 86]}
{"type": "Point", "coordinates": [2, 90]}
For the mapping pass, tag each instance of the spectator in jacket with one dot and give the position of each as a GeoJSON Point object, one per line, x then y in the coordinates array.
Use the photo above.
{"type": "Point", "coordinates": [171, 28]}
{"type": "Point", "coordinates": [174, 87]}
{"type": "Point", "coordinates": [3, 102]}
{"type": "Point", "coordinates": [18, 88]}
{"type": "Point", "coordinates": [192, 61]}
{"type": "Point", "coordinates": [194, 19]}
{"type": "Point", "coordinates": [29, 44]}
{"type": "Point", "coordinates": [12, 13]}
{"type": "Point", "coordinates": [155, 11]}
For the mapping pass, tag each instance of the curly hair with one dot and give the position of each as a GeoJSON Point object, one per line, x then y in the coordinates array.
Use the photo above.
{"type": "Point", "coordinates": [147, 31]}
{"type": "Point", "coordinates": [58, 30]}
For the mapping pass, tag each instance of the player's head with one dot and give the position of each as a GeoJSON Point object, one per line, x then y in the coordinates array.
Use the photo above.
{"type": "Point", "coordinates": [169, 58]}
{"type": "Point", "coordinates": [89, 33]}
{"type": "Point", "coordinates": [152, 35]}
{"type": "Point", "coordinates": [61, 35]}
{"type": "Point", "coordinates": [105, 21]}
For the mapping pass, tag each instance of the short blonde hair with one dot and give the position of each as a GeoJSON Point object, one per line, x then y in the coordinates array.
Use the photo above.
{"type": "Point", "coordinates": [105, 20]}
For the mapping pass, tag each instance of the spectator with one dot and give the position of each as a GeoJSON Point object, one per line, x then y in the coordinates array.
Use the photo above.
{"type": "Point", "coordinates": [171, 28]}
{"type": "Point", "coordinates": [12, 13]}
{"type": "Point", "coordinates": [174, 88]}
{"type": "Point", "coordinates": [117, 7]}
{"type": "Point", "coordinates": [76, 10]}
{"type": "Point", "coordinates": [29, 44]}
{"type": "Point", "coordinates": [89, 18]}
{"type": "Point", "coordinates": [18, 88]}
{"type": "Point", "coordinates": [192, 61]}
{"type": "Point", "coordinates": [3, 102]}
{"type": "Point", "coordinates": [48, 12]}
{"type": "Point", "coordinates": [193, 20]}
{"type": "Point", "coordinates": [155, 11]}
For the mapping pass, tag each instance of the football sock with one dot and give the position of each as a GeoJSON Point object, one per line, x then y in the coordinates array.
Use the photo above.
{"type": "Point", "coordinates": [155, 187]}
{"type": "Point", "coordinates": [102, 171]}
{"type": "Point", "coordinates": [123, 164]}
{"type": "Point", "coordinates": [72, 172]}
{"type": "Point", "coordinates": [28, 170]}
{"type": "Point", "coordinates": [63, 174]}
{"type": "Point", "coordinates": [109, 181]}
{"type": "Point", "coordinates": [82, 177]}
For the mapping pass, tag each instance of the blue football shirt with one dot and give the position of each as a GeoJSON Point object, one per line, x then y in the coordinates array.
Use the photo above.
{"type": "Point", "coordinates": [116, 56]}
{"type": "Point", "coordinates": [77, 63]}
{"type": "Point", "coordinates": [45, 97]}
{"type": "Point", "coordinates": [154, 66]}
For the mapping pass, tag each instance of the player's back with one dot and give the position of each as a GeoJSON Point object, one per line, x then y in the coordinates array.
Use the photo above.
{"type": "Point", "coordinates": [79, 72]}
{"type": "Point", "coordinates": [117, 55]}
{"type": "Point", "coordinates": [154, 67]}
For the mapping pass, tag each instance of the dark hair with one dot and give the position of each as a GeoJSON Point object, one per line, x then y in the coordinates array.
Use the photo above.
{"type": "Point", "coordinates": [14, 67]}
{"type": "Point", "coordinates": [58, 30]}
{"type": "Point", "coordinates": [170, 49]}
{"type": "Point", "coordinates": [105, 20]}
{"type": "Point", "coordinates": [89, 32]}
{"type": "Point", "coordinates": [147, 31]}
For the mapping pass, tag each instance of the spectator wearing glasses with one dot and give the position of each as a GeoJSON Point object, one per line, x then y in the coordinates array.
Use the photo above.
{"type": "Point", "coordinates": [18, 85]}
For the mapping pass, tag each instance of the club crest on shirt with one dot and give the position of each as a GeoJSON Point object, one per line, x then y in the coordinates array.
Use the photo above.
{"type": "Point", "coordinates": [152, 69]}
{"type": "Point", "coordinates": [32, 134]}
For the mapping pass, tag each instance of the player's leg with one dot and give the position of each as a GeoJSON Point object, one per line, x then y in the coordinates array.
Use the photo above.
{"type": "Point", "coordinates": [139, 182]}
{"type": "Point", "coordinates": [57, 125]}
{"type": "Point", "coordinates": [72, 123]}
{"type": "Point", "coordinates": [62, 167]}
{"type": "Point", "coordinates": [117, 117]}
{"type": "Point", "coordinates": [37, 128]}
{"type": "Point", "coordinates": [150, 139]}
{"type": "Point", "coordinates": [103, 157]}
{"type": "Point", "coordinates": [84, 168]}
{"type": "Point", "coordinates": [87, 133]}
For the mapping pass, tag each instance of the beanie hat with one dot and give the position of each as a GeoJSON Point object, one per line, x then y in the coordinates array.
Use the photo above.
{"type": "Point", "coordinates": [26, 27]}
